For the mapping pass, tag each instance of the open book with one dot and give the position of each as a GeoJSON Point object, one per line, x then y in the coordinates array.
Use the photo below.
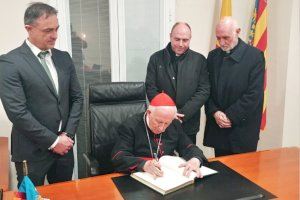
{"type": "Point", "coordinates": [173, 178]}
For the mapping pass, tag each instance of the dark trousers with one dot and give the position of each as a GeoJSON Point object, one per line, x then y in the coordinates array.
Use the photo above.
{"type": "Point", "coordinates": [222, 152]}
{"type": "Point", "coordinates": [57, 169]}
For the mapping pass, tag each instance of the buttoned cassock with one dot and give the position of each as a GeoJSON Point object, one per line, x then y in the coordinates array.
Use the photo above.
{"type": "Point", "coordinates": [189, 91]}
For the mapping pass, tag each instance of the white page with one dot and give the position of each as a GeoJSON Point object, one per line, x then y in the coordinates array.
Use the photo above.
{"type": "Point", "coordinates": [173, 162]}
{"type": "Point", "coordinates": [168, 181]}
{"type": "Point", "coordinates": [173, 175]}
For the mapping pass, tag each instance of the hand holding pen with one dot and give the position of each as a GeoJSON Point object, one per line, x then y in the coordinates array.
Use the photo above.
{"type": "Point", "coordinates": [153, 167]}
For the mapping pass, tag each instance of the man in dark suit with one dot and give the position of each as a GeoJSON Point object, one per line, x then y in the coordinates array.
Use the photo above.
{"type": "Point", "coordinates": [182, 74]}
{"type": "Point", "coordinates": [234, 109]}
{"type": "Point", "coordinates": [42, 98]}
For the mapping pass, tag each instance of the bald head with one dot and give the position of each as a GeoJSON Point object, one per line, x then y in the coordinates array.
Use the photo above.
{"type": "Point", "coordinates": [227, 33]}
{"type": "Point", "coordinates": [180, 37]}
{"type": "Point", "coordinates": [228, 22]}
{"type": "Point", "coordinates": [183, 24]}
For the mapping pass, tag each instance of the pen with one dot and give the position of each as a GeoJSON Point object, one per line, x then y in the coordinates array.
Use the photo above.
{"type": "Point", "coordinates": [253, 197]}
{"type": "Point", "coordinates": [155, 156]}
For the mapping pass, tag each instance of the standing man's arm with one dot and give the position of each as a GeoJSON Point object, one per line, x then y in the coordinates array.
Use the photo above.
{"type": "Point", "coordinates": [200, 96]}
{"type": "Point", "coordinates": [210, 105]}
{"type": "Point", "coordinates": [151, 79]}
{"type": "Point", "coordinates": [242, 108]}
{"type": "Point", "coordinates": [212, 111]}
{"type": "Point", "coordinates": [14, 101]}
{"type": "Point", "coordinates": [76, 101]}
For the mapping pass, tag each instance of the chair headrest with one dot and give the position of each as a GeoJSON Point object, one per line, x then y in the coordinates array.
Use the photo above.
{"type": "Point", "coordinates": [116, 92]}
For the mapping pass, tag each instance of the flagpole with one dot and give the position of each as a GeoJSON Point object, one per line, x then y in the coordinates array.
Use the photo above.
{"type": "Point", "coordinates": [25, 168]}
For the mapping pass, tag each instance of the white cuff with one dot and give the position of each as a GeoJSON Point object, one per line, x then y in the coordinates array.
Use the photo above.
{"type": "Point", "coordinates": [54, 143]}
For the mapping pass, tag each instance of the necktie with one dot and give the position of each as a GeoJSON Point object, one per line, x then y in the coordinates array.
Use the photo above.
{"type": "Point", "coordinates": [42, 55]}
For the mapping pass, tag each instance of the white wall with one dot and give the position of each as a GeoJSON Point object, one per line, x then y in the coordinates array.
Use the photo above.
{"type": "Point", "coordinates": [291, 128]}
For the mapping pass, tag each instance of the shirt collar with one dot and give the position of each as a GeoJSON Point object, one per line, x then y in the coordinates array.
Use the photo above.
{"type": "Point", "coordinates": [35, 49]}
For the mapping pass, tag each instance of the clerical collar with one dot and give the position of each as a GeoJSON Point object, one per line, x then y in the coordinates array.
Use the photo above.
{"type": "Point", "coordinates": [173, 55]}
{"type": "Point", "coordinates": [229, 52]}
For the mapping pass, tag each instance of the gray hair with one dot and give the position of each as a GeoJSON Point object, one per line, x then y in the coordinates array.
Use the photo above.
{"type": "Point", "coordinates": [165, 108]}
{"type": "Point", "coordinates": [36, 10]}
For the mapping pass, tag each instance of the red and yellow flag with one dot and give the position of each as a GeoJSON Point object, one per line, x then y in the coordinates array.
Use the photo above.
{"type": "Point", "coordinates": [258, 38]}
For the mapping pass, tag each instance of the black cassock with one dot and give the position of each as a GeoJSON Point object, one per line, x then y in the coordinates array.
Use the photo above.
{"type": "Point", "coordinates": [237, 82]}
{"type": "Point", "coordinates": [132, 148]}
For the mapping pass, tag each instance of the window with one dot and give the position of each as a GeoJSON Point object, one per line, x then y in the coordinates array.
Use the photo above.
{"type": "Point", "coordinates": [112, 40]}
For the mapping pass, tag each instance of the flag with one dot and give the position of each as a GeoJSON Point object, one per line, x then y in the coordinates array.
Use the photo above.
{"type": "Point", "coordinates": [226, 8]}
{"type": "Point", "coordinates": [258, 38]}
{"type": "Point", "coordinates": [28, 188]}
{"type": "Point", "coordinates": [225, 11]}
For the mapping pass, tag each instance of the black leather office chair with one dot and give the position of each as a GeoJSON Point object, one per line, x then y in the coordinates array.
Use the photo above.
{"type": "Point", "coordinates": [110, 104]}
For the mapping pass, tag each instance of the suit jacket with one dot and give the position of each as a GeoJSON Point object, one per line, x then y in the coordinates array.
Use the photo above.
{"type": "Point", "coordinates": [237, 90]}
{"type": "Point", "coordinates": [191, 90]}
{"type": "Point", "coordinates": [31, 102]}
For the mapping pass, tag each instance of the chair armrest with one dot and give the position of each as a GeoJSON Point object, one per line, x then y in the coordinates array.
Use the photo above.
{"type": "Point", "coordinates": [92, 164]}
